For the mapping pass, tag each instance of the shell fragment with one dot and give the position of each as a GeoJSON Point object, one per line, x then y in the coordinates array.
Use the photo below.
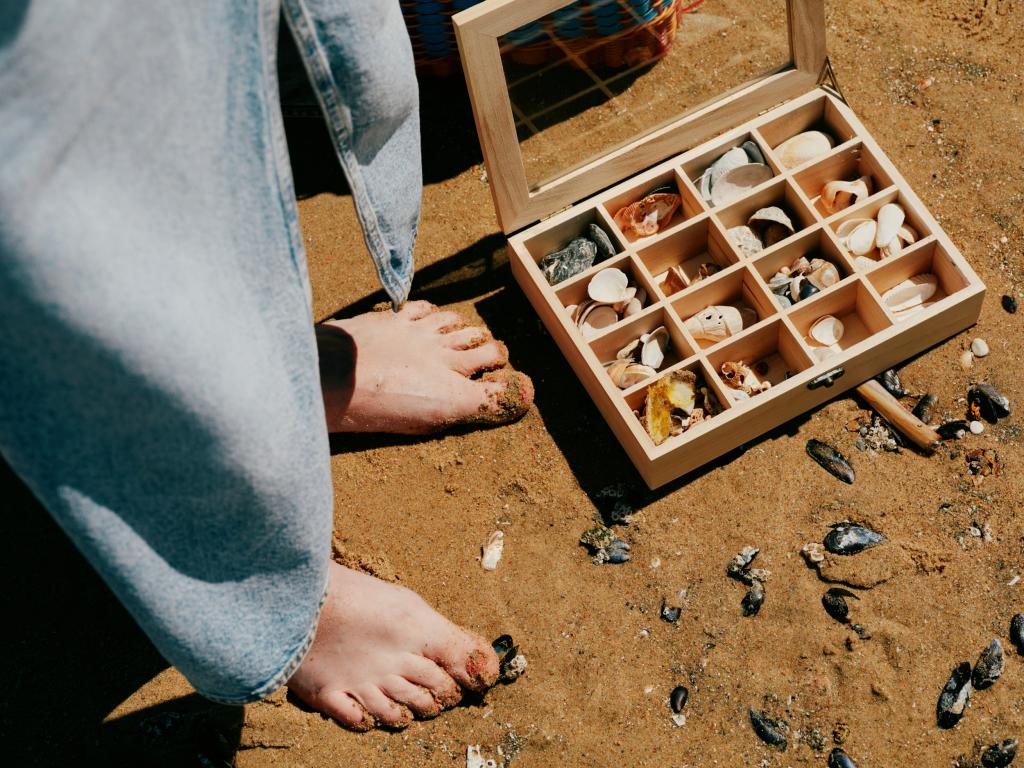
{"type": "Point", "coordinates": [827, 330]}
{"type": "Point", "coordinates": [911, 293]}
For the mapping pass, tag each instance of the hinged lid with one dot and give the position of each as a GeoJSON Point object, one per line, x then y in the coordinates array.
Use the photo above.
{"type": "Point", "coordinates": [522, 45]}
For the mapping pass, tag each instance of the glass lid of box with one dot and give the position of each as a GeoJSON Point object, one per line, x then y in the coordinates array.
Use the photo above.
{"type": "Point", "coordinates": [595, 75]}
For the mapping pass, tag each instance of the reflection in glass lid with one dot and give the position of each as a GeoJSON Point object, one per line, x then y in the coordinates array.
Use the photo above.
{"type": "Point", "coordinates": [598, 74]}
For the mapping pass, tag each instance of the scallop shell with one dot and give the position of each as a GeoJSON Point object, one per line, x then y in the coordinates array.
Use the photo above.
{"type": "Point", "coordinates": [911, 293]}
{"type": "Point", "coordinates": [837, 195]}
{"type": "Point", "coordinates": [609, 286]}
{"type": "Point", "coordinates": [655, 343]}
{"type": "Point", "coordinates": [890, 219]}
{"type": "Point", "coordinates": [715, 323]}
{"type": "Point", "coordinates": [803, 148]}
{"type": "Point", "coordinates": [770, 225]}
{"type": "Point", "coordinates": [646, 216]}
{"type": "Point", "coordinates": [737, 181]}
{"type": "Point", "coordinates": [826, 330]}
{"type": "Point", "coordinates": [745, 239]}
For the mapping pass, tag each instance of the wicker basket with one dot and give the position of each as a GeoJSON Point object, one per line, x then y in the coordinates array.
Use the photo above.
{"type": "Point", "coordinates": [594, 33]}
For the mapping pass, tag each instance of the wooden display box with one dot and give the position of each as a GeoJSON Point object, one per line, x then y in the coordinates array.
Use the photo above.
{"type": "Point", "coordinates": [875, 339]}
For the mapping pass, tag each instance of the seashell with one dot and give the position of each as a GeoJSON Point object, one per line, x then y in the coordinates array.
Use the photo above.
{"type": "Point", "coordinates": [670, 613]}
{"type": "Point", "coordinates": [741, 377]}
{"type": "Point", "coordinates": [925, 407]}
{"type": "Point", "coordinates": [999, 755]}
{"type": "Point", "coordinates": [770, 225]}
{"type": "Point", "coordinates": [953, 430]}
{"type": "Point", "coordinates": [835, 603]}
{"type": "Point", "coordinates": [719, 322]}
{"type": "Point", "coordinates": [754, 599]}
{"type": "Point", "coordinates": [848, 539]}
{"type": "Point", "coordinates": [983, 400]}
{"type": "Point", "coordinates": [635, 304]}
{"type": "Point", "coordinates": [655, 344]}
{"type": "Point", "coordinates": [803, 148]}
{"type": "Point", "coordinates": [753, 151]}
{"type": "Point", "coordinates": [675, 280]}
{"type": "Point", "coordinates": [824, 276]}
{"type": "Point", "coordinates": [890, 218]}
{"type": "Point", "coordinates": [578, 256]}
{"type": "Point", "coordinates": [628, 296]}
{"type": "Point", "coordinates": [745, 239]}
{"type": "Point", "coordinates": [733, 158]}
{"type": "Point", "coordinates": [833, 461]}
{"type": "Point", "coordinates": [626, 374]}
{"type": "Point", "coordinates": [476, 760]}
{"type": "Point", "coordinates": [813, 553]}
{"type": "Point", "coordinates": [678, 698]}
{"type": "Point", "coordinates": [648, 215]}
{"type": "Point", "coordinates": [989, 666]}
{"type": "Point", "coordinates": [609, 286]}
{"type": "Point", "coordinates": [492, 551]}
{"type": "Point", "coordinates": [826, 330]}
{"type": "Point", "coordinates": [595, 318]}
{"type": "Point", "coordinates": [891, 381]}
{"type": "Point", "coordinates": [837, 758]}
{"type": "Point", "coordinates": [779, 283]}
{"type": "Point", "coordinates": [769, 731]}
{"type": "Point", "coordinates": [954, 697]}
{"type": "Point", "coordinates": [629, 351]}
{"type": "Point", "coordinates": [1017, 632]}
{"type": "Point", "coordinates": [912, 292]}
{"type": "Point", "coordinates": [737, 181]}
{"type": "Point", "coordinates": [837, 195]}
{"type": "Point", "coordinates": [784, 301]}
{"type": "Point", "coordinates": [805, 289]}
{"type": "Point", "coordinates": [864, 263]}
{"type": "Point", "coordinates": [908, 234]}
{"type": "Point", "coordinates": [706, 270]}
{"type": "Point", "coordinates": [861, 239]}
{"type": "Point", "coordinates": [892, 249]}
{"type": "Point", "coordinates": [675, 391]}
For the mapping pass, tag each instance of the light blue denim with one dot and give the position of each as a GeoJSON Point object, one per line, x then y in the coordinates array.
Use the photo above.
{"type": "Point", "coordinates": [159, 388]}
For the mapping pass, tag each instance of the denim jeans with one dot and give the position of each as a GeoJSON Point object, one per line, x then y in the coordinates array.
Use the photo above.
{"type": "Point", "coordinates": [159, 387]}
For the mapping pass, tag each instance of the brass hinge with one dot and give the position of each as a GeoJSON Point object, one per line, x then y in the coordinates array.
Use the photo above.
{"type": "Point", "coordinates": [555, 213]}
{"type": "Point", "coordinates": [827, 80]}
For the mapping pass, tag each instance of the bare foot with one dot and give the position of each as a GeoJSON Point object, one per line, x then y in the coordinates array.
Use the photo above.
{"type": "Point", "coordinates": [411, 372]}
{"type": "Point", "coordinates": [382, 656]}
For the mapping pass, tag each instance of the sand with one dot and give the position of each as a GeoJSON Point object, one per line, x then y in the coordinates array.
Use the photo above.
{"type": "Point", "coordinates": [83, 684]}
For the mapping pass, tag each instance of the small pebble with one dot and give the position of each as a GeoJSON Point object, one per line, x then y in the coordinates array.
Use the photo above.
{"type": "Point", "coordinates": [678, 720]}
{"type": "Point", "coordinates": [979, 347]}
{"type": "Point", "coordinates": [1009, 304]}
{"type": "Point", "coordinates": [977, 427]}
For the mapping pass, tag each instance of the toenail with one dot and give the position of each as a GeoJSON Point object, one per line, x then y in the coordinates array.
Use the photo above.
{"type": "Point", "coordinates": [476, 668]}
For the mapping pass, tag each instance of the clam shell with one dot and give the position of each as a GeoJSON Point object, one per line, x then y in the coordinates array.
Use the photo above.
{"type": "Point", "coordinates": [731, 159]}
{"type": "Point", "coordinates": [652, 353]}
{"type": "Point", "coordinates": [911, 293]}
{"type": "Point", "coordinates": [715, 323]}
{"type": "Point", "coordinates": [827, 330]}
{"type": "Point", "coordinates": [745, 239]}
{"type": "Point", "coordinates": [635, 304]}
{"type": "Point", "coordinates": [861, 241]}
{"type": "Point", "coordinates": [837, 195]}
{"type": "Point", "coordinates": [609, 286]}
{"type": "Point", "coordinates": [779, 283]}
{"type": "Point", "coordinates": [595, 318]}
{"type": "Point", "coordinates": [629, 351]}
{"type": "Point", "coordinates": [770, 225]}
{"type": "Point", "coordinates": [844, 229]}
{"type": "Point", "coordinates": [735, 182]}
{"type": "Point", "coordinates": [890, 219]}
{"type": "Point", "coordinates": [824, 276]}
{"type": "Point", "coordinates": [627, 297]}
{"type": "Point", "coordinates": [803, 148]}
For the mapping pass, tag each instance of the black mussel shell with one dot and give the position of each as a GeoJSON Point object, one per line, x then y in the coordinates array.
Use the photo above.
{"type": "Point", "coordinates": [835, 603]}
{"type": "Point", "coordinates": [925, 408]}
{"type": "Point", "coordinates": [1017, 632]}
{"type": "Point", "coordinates": [892, 383]}
{"type": "Point", "coordinates": [807, 289]}
{"type": "Point", "coordinates": [953, 430]}
{"type": "Point", "coordinates": [678, 698]}
{"type": "Point", "coordinates": [505, 647]}
{"type": "Point", "coordinates": [617, 552]}
{"type": "Point", "coordinates": [837, 758]}
{"type": "Point", "coordinates": [831, 459]}
{"type": "Point", "coordinates": [954, 697]}
{"type": "Point", "coordinates": [989, 666]}
{"type": "Point", "coordinates": [849, 539]}
{"type": "Point", "coordinates": [753, 151]}
{"type": "Point", "coordinates": [769, 731]}
{"type": "Point", "coordinates": [999, 755]}
{"type": "Point", "coordinates": [670, 613]}
{"type": "Point", "coordinates": [1009, 304]}
{"type": "Point", "coordinates": [575, 258]}
{"type": "Point", "coordinates": [753, 600]}
{"type": "Point", "coordinates": [984, 400]}
{"type": "Point", "coordinates": [605, 249]}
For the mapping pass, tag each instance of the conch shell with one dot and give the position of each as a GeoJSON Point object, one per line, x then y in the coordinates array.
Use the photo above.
{"type": "Point", "coordinates": [673, 392]}
{"type": "Point", "coordinates": [645, 217]}
{"type": "Point", "coordinates": [719, 322]}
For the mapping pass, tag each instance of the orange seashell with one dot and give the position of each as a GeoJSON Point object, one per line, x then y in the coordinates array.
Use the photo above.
{"type": "Point", "coordinates": [645, 217]}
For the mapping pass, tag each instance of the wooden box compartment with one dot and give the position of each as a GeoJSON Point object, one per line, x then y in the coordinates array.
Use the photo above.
{"type": "Point", "coordinates": [776, 341]}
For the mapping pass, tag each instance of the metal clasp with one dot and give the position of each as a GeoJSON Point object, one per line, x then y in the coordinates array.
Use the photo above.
{"type": "Point", "coordinates": [826, 379]}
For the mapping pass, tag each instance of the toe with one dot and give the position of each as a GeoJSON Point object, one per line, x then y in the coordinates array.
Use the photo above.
{"type": "Point", "coordinates": [346, 710]}
{"type": "Point", "coordinates": [442, 322]}
{"type": "Point", "coordinates": [466, 338]}
{"type": "Point", "coordinates": [415, 697]}
{"type": "Point", "coordinates": [425, 673]}
{"type": "Point", "coordinates": [486, 357]}
{"type": "Point", "coordinates": [498, 398]}
{"type": "Point", "coordinates": [469, 659]}
{"type": "Point", "coordinates": [384, 710]}
{"type": "Point", "coordinates": [416, 310]}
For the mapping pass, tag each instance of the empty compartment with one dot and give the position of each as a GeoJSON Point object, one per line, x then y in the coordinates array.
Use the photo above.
{"type": "Point", "coordinates": [675, 417]}
{"type": "Point", "coordinates": [723, 306]}
{"type": "Point", "coordinates": [922, 276]}
{"type": "Point", "coordinates": [795, 272]}
{"type": "Point", "coordinates": [751, 152]}
{"type": "Point", "coordinates": [641, 347]}
{"type": "Point", "coordinates": [637, 220]}
{"type": "Point", "coordinates": [598, 300]}
{"type": "Point", "coordinates": [849, 165]}
{"type": "Point", "coordinates": [762, 220]}
{"type": "Point", "coordinates": [558, 238]}
{"type": "Point", "coordinates": [838, 320]}
{"type": "Point", "coordinates": [688, 256]}
{"type": "Point", "coordinates": [857, 229]}
{"type": "Point", "coordinates": [819, 116]}
{"type": "Point", "coordinates": [758, 361]}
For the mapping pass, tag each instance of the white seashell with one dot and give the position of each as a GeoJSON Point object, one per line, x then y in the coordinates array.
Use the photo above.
{"type": "Point", "coordinates": [976, 427]}
{"type": "Point", "coordinates": [629, 351]}
{"type": "Point", "coordinates": [745, 239]}
{"type": "Point", "coordinates": [911, 293]}
{"type": "Point", "coordinates": [629, 295]}
{"type": "Point", "coordinates": [625, 373]}
{"type": "Point", "coordinates": [845, 228]}
{"type": "Point", "coordinates": [655, 344]}
{"type": "Point", "coordinates": [827, 330]}
{"type": "Point", "coordinates": [476, 760]}
{"type": "Point", "coordinates": [803, 148]}
{"type": "Point", "coordinates": [837, 195]}
{"type": "Point", "coordinates": [824, 276]}
{"type": "Point", "coordinates": [770, 225]}
{"type": "Point", "coordinates": [893, 249]}
{"type": "Point", "coordinates": [733, 158]}
{"type": "Point", "coordinates": [908, 234]}
{"type": "Point", "coordinates": [890, 219]}
{"type": "Point", "coordinates": [967, 359]}
{"type": "Point", "coordinates": [864, 263]}
{"type": "Point", "coordinates": [715, 323]}
{"type": "Point", "coordinates": [979, 347]}
{"type": "Point", "coordinates": [597, 317]}
{"type": "Point", "coordinates": [861, 241]}
{"type": "Point", "coordinates": [492, 551]}
{"type": "Point", "coordinates": [633, 306]}
{"type": "Point", "coordinates": [571, 309]}
{"type": "Point", "coordinates": [737, 181]}
{"type": "Point", "coordinates": [608, 286]}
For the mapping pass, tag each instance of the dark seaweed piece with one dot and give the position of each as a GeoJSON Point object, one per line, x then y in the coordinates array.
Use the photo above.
{"type": "Point", "coordinates": [846, 538]}
{"type": "Point", "coordinates": [678, 698]}
{"type": "Point", "coordinates": [989, 666]}
{"type": "Point", "coordinates": [999, 755]}
{"type": "Point", "coordinates": [837, 758]}
{"type": "Point", "coordinates": [576, 257]}
{"type": "Point", "coordinates": [954, 697]}
{"type": "Point", "coordinates": [769, 731]}
{"type": "Point", "coordinates": [985, 402]}
{"type": "Point", "coordinates": [1009, 304]}
{"type": "Point", "coordinates": [835, 603]}
{"type": "Point", "coordinates": [892, 383]}
{"type": "Point", "coordinates": [953, 430]}
{"type": "Point", "coordinates": [753, 600]}
{"type": "Point", "coordinates": [605, 249]}
{"type": "Point", "coordinates": [925, 408]}
{"type": "Point", "coordinates": [1017, 632]}
{"type": "Point", "coordinates": [831, 459]}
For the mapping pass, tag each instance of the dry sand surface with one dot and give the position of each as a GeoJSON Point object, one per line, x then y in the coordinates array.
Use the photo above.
{"type": "Point", "coordinates": [82, 681]}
